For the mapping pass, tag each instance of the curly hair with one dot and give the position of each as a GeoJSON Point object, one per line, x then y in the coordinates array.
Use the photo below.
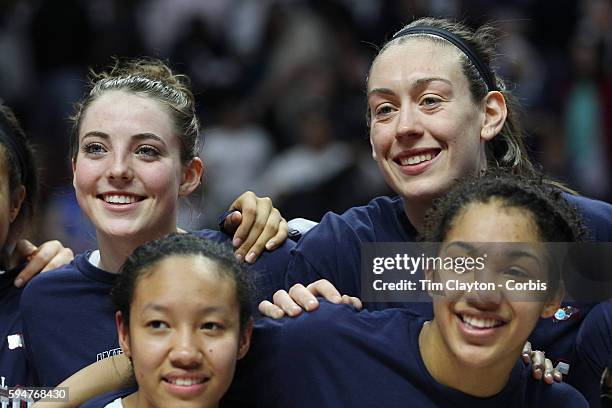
{"type": "Point", "coordinates": [556, 219]}
{"type": "Point", "coordinates": [18, 156]}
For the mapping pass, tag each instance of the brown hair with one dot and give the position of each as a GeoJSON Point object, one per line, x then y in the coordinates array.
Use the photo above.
{"type": "Point", "coordinates": [17, 152]}
{"type": "Point", "coordinates": [507, 149]}
{"type": "Point", "coordinates": [147, 78]}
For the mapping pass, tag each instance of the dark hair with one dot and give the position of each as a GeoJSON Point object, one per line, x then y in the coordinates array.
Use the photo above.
{"type": "Point", "coordinates": [21, 170]}
{"type": "Point", "coordinates": [556, 219]}
{"type": "Point", "coordinates": [506, 149]}
{"type": "Point", "coordinates": [149, 78]}
{"type": "Point", "coordinates": [144, 257]}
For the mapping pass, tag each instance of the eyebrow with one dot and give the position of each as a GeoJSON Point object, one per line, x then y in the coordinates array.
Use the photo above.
{"type": "Point", "coordinates": [463, 245]}
{"type": "Point", "coordinates": [417, 83]}
{"type": "Point", "coordinates": [384, 91]}
{"type": "Point", "coordinates": [95, 134]}
{"type": "Point", "coordinates": [146, 136]}
{"type": "Point", "coordinates": [424, 81]}
{"type": "Point", "coordinates": [137, 136]}
{"type": "Point", "coordinates": [522, 254]}
{"type": "Point", "coordinates": [512, 254]}
{"type": "Point", "coordinates": [204, 310]}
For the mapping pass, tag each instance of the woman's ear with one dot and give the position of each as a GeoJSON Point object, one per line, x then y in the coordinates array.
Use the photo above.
{"type": "Point", "coordinates": [192, 177]}
{"type": "Point", "coordinates": [495, 115]}
{"type": "Point", "coordinates": [433, 276]}
{"type": "Point", "coordinates": [124, 334]}
{"type": "Point", "coordinates": [552, 304]}
{"type": "Point", "coordinates": [17, 198]}
{"type": "Point", "coordinates": [245, 339]}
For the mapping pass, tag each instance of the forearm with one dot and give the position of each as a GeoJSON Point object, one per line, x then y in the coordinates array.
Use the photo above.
{"type": "Point", "coordinates": [103, 376]}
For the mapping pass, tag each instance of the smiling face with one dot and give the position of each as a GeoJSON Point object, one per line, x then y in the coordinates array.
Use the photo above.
{"type": "Point", "coordinates": [128, 173]}
{"type": "Point", "coordinates": [426, 131]}
{"type": "Point", "coordinates": [184, 334]}
{"type": "Point", "coordinates": [485, 328]}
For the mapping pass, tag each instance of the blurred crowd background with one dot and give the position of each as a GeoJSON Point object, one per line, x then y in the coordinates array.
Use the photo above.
{"type": "Point", "coordinates": [280, 89]}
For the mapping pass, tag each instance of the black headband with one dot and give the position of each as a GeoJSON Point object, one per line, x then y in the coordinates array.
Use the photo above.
{"type": "Point", "coordinates": [13, 148]}
{"type": "Point", "coordinates": [457, 42]}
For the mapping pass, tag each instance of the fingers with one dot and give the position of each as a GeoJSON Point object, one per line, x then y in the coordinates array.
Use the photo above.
{"type": "Point", "coordinates": [23, 249]}
{"type": "Point", "coordinates": [537, 364]}
{"type": "Point", "coordinates": [304, 297]}
{"type": "Point", "coordinates": [286, 303]}
{"type": "Point", "coordinates": [325, 289]}
{"type": "Point", "coordinates": [353, 301]}
{"type": "Point", "coordinates": [269, 309]}
{"type": "Point", "coordinates": [255, 214]}
{"type": "Point", "coordinates": [246, 204]}
{"type": "Point", "coordinates": [541, 367]}
{"type": "Point", "coordinates": [63, 257]}
{"type": "Point", "coordinates": [263, 212]}
{"type": "Point", "coordinates": [49, 255]}
{"type": "Point", "coordinates": [281, 235]}
{"type": "Point", "coordinates": [548, 371]}
{"type": "Point", "coordinates": [257, 226]}
{"type": "Point", "coordinates": [526, 354]}
{"type": "Point", "coordinates": [289, 303]}
{"type": "Point", "coordinates": [557, 375]}
{"type": "Point", "coordinates": [301, 298]}
{"type": "Point", "coordinates": [232, 222]}
{"type": "Point", "coordinates": [263, 237]}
